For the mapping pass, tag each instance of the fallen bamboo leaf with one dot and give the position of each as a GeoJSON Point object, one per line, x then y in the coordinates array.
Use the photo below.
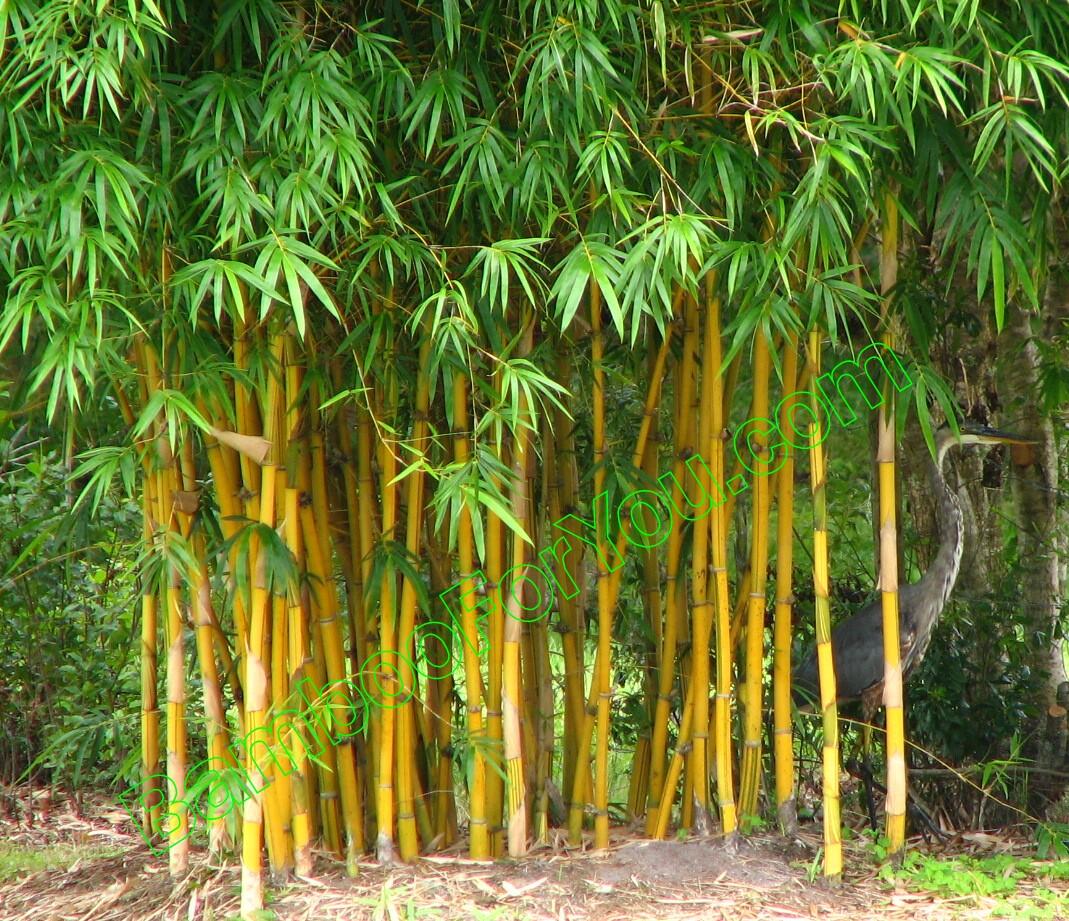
{"type": "Point", "coordinates": [515, 891]}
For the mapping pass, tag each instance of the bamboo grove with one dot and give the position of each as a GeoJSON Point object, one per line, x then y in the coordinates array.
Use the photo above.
{"type": "Point", "coordinates": [381, 294]}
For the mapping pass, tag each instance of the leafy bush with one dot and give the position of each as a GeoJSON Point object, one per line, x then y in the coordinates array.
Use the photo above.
{"type": "Point", "coordinates": [69, 599]}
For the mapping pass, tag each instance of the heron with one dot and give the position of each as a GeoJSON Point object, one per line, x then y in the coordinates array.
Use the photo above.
{"type": "Point", "coordinates": [857, 641]}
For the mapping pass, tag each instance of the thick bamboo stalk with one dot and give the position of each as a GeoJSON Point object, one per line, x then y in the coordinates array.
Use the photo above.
{"type": "Point", "coordinates": [438, 646]}
{"type": "Point", "coordinates": [564, 480]}
{"type": "Point", "coordinates": [367, 516]}
{"type": "Point", "coordinates": [701, 600]}
{"type": "Point", "coordinates": [215, 715]}
{"type": "Point", "coordinates": [675, 586]}
{"type": "Point", "coordinates": [653, 395]}
{"type": "Point", "coordinates": [297, 657]}
{"type": "Point", "coordinates": [686, 722]}
{"type": "Point", "coordinates": [783, 740]}
{"type": "Point", "coordinates": [261, 802]}
{"type": "Point", "coordinates": [512, 699]}
{"type": "Point", "coordinates": [494, 741]}
{"type": "Point", "coordinates": [718, 525]}
{"type": "Point", "coordinates": [479, 843]}
{"type": "Point", "coordinates": [291, 657]}
{"type": "Point", "coordinates": [406, 737]}
{"type": "Point", "coordinates": [328, 627]}
{"type": "Point", "coordinates": [833, 849]}
{"type": "Point", "coordinates": [176, 818]}
{"type": "Point", "coordinates": [178, 834]}
{"type": "Point", "coordinates": [885, 456]}
{"type": "Point", "coordinates": [384, 800]}
{"type": "Point", "coordinates": [152, 791]}
{"type": "Point", "coordinates": [324, 780]}
{"type": "Point", "coordinates": [750, 766]}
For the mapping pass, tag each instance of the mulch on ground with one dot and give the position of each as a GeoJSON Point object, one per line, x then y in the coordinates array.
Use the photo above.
{"type": "Point", "coordinates": [760, 876]}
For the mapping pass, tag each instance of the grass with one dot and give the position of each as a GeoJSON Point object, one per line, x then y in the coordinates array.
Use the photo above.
{"type": "Point", "coordinates": [17, 861]}
{"type": "Point", "coordinates": [1008, 887]}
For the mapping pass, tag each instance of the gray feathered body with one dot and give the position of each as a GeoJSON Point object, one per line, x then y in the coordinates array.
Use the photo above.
{"type": "Point", "coordinates": [857, 642]}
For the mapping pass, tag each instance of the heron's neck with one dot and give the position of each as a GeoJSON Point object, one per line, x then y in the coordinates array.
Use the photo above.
{"type": "Point", "coordinates": [943, 572]}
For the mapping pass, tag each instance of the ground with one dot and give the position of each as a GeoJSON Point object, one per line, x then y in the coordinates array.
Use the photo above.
{"type": "Point", "coordinates": [87, 864]}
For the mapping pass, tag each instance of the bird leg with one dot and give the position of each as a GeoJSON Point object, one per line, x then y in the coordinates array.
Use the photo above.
{"type": "Point", "coordinates": [918, 814]}
{"type": "Point", "coordinates": [869, 703]}
{"type": "Point", "coordinates": [863, 771]}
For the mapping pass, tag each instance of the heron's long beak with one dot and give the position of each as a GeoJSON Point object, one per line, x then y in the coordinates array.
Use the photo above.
{"type": "Point", "coordinates": [982, 434]}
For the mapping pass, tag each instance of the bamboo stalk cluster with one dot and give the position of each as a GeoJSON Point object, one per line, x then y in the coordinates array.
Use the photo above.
{"type": "Point", "coordinates": [344, 692]}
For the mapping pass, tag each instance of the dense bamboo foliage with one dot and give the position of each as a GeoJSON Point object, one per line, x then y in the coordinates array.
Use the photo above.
{"type": "Point", "coordinates": [365, 284]}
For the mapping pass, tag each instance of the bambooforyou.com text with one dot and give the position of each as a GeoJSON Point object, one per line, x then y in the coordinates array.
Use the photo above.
{"type": "Point", "coordinates": [216, 787]}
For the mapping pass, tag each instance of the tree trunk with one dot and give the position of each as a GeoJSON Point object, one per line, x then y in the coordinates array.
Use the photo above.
{"type": "Point", "coordinates": [1036, 489]}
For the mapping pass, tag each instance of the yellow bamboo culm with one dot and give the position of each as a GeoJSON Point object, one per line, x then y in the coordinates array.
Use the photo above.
{"type": "Point", "coordinates": [511, 596]}
{"type": "Point", "coordinates": [701, 600]}
{"type": "Point", "coordinates": [201, 596]}
{"type": "Point", "coordinates": [152, 797]}
{"type": "Point", "coordinates": [675, 586]}
{"type": "Point", "coordinates": [833, 848]}
{"type": "Point", "coordinates": [407, 741]}
{"type": "Point", "coordinates": [562, 494]}
{"type": "Point", "coordinates": [495, 666]}
{"type": "Point", "coordinates": [385, 796]}
{"type": "Point", "coordinates": [718, 525]}
{"type": "Point", "coordinates": [175, 820]}
{"type": "Point", "coordinates": [885, 457]}
{"type": "Point", "coordinates": [479, 843]}
{"type": "Point", "coordinates": [750, 767]}
{"type": "Point", "coordinates": [675, 768]}
{"type": "Point", "coordinates": [612, 552]}
{"type": "Point", "coordinates": [259, 807]}
{"type": "Point", "coordinates": [638, 792]}
{"type": "Point", "coordinates": [603, 668]}
{"type": "Point", "coordinates": [783, 740]}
